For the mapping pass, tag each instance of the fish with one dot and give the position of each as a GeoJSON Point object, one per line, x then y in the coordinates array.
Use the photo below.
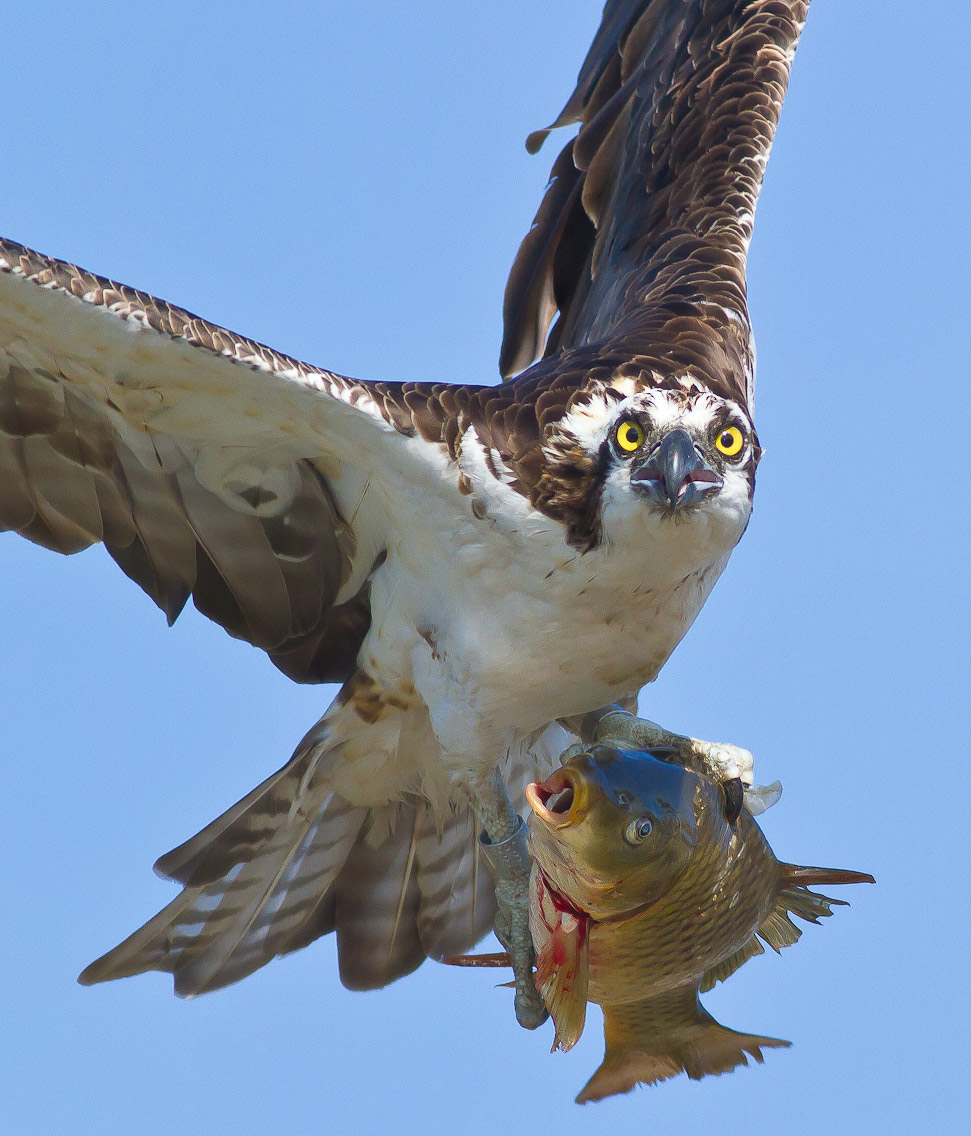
{"type": "Point", "coordinates": [648, 886]}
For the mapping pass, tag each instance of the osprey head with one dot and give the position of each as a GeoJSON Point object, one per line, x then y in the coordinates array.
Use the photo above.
{"type": "Point", "coordinates": [673, 454]}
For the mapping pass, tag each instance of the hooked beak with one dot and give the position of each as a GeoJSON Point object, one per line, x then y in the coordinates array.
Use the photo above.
{"type": "Point", "coordinates": [557, 800]}
{"type": "Point", "coordinates": [673, 474]}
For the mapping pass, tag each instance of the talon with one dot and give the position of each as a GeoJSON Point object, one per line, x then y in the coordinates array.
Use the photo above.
{"type": "Point", "coordinates": [717, 760]}
{"type": "Point", "coordinates": [762, 797]}
{"type": "Point", "coordinates": [734, 798]}
{"type": "Point", "coordinates": [531, 1012]}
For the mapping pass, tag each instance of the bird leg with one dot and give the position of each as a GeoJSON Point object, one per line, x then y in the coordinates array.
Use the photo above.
{"type": "Point", "coordinates": [729, 764]}
{"type": "Point", "coordinates": [503, 844]}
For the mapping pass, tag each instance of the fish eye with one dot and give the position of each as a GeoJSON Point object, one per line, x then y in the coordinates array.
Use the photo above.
{"type": "Point", "coordinates": [730, 442]}
{"type": "Point", "coordinates": [638, 830]}
{"type": "Point", "coordinates": [630, 436]}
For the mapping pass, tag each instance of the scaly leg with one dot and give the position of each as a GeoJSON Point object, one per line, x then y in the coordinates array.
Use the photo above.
{"type": "Point", "coordinates": [503, 843]}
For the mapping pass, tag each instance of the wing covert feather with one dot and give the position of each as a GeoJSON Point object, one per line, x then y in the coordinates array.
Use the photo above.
{"type": "Point", "coordinates": [209, 465]}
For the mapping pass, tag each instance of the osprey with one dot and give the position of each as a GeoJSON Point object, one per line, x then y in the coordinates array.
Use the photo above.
{"type": "Point", "coordinates": [487, 570]}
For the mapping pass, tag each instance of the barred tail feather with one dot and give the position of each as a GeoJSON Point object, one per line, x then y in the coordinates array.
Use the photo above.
{"type": "Point", "coordinates": [240, 832]}
{"type": "Point", "coordinates": [457, 901]}
{"type": "Point", "coordinates": [213, 935]}
{"type": "Point", "coordinates": [298, 861]}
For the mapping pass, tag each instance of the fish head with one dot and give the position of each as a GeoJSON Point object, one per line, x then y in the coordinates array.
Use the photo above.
{"type": "Point", "coordinates": [612, 830]}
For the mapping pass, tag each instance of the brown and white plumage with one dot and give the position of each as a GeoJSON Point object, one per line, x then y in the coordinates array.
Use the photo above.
{"type": "Point", "coordinates": [642, 235]}
{"type": "Point", "coordinates": [470, 562]}
{"type": "Point", "coordinates": [399, 883]}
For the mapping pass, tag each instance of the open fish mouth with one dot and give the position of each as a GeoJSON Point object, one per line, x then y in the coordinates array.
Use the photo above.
{"type": "Point", "coordinates": [556, 800]}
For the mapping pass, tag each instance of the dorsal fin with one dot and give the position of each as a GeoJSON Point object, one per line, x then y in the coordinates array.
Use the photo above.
{"type": "Point", "coordinates": [791, 874]}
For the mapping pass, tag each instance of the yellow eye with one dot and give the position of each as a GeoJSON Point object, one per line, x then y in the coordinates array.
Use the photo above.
{"type": "Point", "coordinates": [630, 436]}
{"type": "Point", "coordinates": [730, 441]}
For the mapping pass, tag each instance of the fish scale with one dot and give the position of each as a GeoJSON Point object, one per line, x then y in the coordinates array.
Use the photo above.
{"type": "Point", "coordinates": [707, 914]}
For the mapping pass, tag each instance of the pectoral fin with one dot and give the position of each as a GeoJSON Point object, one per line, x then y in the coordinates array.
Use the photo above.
{"type": "Point", "coordinates": [652, 1040]}
{"type": "Point", "coordinates": [562, 965]}
{"type": "Point", "coordinates": [777, 929]}
{"type": "Point", "coordinates": [562, 971]}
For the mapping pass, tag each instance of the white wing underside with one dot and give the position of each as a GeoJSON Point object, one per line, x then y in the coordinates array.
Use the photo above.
{"type": "Point", "coordinates": [208, 464]}
{"type": "Point", "coordinates": [213, 467]}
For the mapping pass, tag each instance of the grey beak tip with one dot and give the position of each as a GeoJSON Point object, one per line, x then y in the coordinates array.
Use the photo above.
{"type": "Point", "coordinates": [674, 473]}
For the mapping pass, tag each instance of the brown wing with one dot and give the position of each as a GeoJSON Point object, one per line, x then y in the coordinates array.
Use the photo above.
{"type": "Point", "coordinates": [208, 465]}
{"type": "Point", "coordinates": [641, 239]}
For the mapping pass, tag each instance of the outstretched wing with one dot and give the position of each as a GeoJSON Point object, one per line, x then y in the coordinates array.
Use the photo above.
{"type": "Point", "coordinates": [208, 465]}
{"type": "Point", "coordinates": [640, 241]}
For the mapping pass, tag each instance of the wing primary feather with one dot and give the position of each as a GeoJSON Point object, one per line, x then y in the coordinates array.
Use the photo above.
{"type": "Point", "coordinates": [678, 105]}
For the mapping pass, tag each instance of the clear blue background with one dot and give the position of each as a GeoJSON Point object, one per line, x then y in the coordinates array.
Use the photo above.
{"type": "Point", "coordinates": [347, 182]}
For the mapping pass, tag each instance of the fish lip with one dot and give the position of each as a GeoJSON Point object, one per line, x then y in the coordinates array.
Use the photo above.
{"type": "Point", "coordinates": [563, 788]}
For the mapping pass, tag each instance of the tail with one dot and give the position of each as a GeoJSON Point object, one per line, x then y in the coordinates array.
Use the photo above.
{"type": "Point", "coordinates": [659, 1038]}
{"type": "Point", "coordinates": [293, 861]}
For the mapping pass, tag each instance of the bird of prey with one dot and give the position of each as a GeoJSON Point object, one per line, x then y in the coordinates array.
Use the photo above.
{"type": "Point", "coordinates": [487, 570]}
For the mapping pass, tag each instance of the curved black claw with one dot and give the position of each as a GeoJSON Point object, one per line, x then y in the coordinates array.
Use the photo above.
{"type": "Point", "coordinates": [734, 798]}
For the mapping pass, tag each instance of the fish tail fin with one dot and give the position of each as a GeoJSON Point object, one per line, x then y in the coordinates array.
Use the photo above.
{"type": "Point", "coordinates": [659, 1038]}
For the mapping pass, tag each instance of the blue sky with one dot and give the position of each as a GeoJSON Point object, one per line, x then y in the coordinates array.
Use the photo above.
{"type": "Point", "coordinates": [348, 183]}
